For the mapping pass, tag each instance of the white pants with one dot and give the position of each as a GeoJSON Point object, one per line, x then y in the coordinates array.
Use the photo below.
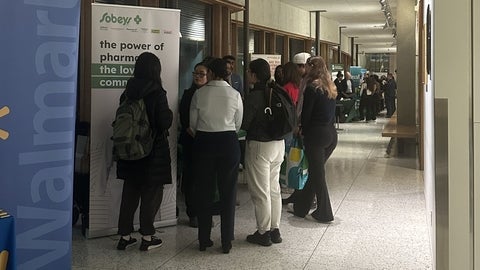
{"type": "Point", "coordinates": [262, 168]}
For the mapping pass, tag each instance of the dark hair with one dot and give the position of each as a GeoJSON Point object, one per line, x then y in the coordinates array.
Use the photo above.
{"type": "Point", "coordinates": [261, 68]}
{"type": "Point", "coordinates": [228, 57]}
{"type": "Point", "coordinates": [372, 83]}
{"type": "Point", "coordinates": [219, 67]}
{"type": "Point", "coordinates": [291, 74]}
{"type": "Point", "coordinates": [148, 67]}
{"type": "Point", "coordinates": [206, 61]}
{"type": "Point", "coordinates": [279, 75]}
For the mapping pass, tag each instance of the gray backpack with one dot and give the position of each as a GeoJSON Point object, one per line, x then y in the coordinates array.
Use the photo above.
{"type": "Point", "coordinates": [132, 135]}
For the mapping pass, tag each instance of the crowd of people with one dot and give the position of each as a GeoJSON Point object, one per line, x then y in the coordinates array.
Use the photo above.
{"type": "Point", "coordinates": [212, 112]}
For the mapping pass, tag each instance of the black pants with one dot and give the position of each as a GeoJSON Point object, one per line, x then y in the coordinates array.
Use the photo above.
{"type": "Point", "coordinates": [371, 107]}
{"type": "Point", "coordinates": [188, 181]}
{"type": "Point", "coordinates": [216, 155]}
{"type": "Point", "coordinates": [390, 104]}
{"type": "Point", "coordinates": [319, 145]}
{"type": "Point", "coordinates": [150, 198]}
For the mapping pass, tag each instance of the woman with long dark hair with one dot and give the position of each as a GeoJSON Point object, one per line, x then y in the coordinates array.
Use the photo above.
{"type": "Point", "coordinates": [320, 138]}
{"type": "Point", "coordinates": [263, 157]}
{"type": "Point", "coordinates": [144, 178]}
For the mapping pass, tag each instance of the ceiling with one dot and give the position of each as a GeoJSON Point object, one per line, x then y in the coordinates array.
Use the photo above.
{"type": "Point", "coordinates": [363, 19]}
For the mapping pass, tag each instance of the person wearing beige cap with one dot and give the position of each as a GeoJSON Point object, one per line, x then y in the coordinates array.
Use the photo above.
{"type": "Point", "coordinates": [301, 59]}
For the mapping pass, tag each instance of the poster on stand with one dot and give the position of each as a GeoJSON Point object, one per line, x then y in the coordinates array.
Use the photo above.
{"type": "Point", "coordinates": [40, 41]}
{"type": "Point", "coordinates": [356, 72]}
{"type": "Point", "coordinates": [119, 35]}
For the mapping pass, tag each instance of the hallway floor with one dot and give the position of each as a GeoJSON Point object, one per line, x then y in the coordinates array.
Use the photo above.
{"type": "Point", "coordinates": [380, 222]}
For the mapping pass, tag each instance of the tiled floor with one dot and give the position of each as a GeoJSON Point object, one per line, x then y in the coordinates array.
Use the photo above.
{"type": "Point", "coordinates": [380, 222]}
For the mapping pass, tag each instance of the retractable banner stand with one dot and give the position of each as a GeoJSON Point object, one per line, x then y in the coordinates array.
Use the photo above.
{"type": "Point", "coordinates": [356, 72]}
{"type": "Point", "coordinates": [39, 56]}
{"type": "Point", "coordinates": [119, 35]}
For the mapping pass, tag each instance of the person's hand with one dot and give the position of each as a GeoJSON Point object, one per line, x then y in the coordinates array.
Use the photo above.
{"type": "Point", "coordinates": [190, 132]}
{"type": "Point", "coordinates": [297, 131]}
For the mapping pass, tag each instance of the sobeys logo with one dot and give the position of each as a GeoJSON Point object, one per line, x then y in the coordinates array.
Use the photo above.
{"type": "Point", "coordinates": [111, 18]}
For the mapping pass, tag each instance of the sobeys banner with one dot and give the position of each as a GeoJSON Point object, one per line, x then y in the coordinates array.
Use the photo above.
{"type": "Point", "coordinates": [119, 35]}
{"type": "Point", "coordinates": [39, 40]}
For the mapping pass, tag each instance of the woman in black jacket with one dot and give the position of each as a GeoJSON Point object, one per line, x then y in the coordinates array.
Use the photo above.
{"type": "Point", "coordinates": [320, 138]}
{"type": "Point", "coordinates": [186, 140]}
{"type": "Point", "coordinates": [144, 178]}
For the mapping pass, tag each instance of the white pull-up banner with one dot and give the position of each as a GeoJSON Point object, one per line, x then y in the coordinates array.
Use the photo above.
{"type": "Point", "coordinates": [119, 35]}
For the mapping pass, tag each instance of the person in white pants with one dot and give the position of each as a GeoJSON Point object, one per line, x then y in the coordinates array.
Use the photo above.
{"type": "Point", "coordinates": [263, 158]}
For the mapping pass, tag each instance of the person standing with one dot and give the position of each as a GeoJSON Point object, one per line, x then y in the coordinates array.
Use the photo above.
{"type": "Point", "coordinates": [233, 78]}
{"type": "Point", "coordinates": [320, 138]}
{"type": "Point", "coordinates": [186, 140]}
{"type": "Point", "coordinates": [390, 95]}
{"type": "Point", "coordinates": [301, 60]}
{"type": "Point", "coordinates": [144, 178]}
{"type": "Point", "coordinates": [263, 157]}
{"type": "Point", "coordinates": [279, 75]}
{"type": "Point", "coordinates": [338, 83]}
{"type": "Point", "coordinates": [292, 78]}
{"type": "Point", "coordinates": [216, 115]}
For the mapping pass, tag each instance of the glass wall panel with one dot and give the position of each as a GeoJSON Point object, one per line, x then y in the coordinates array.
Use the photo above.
{"type": "Point", "coordinates": [296, 46]}
{"type": "Point", "coordinates": [377, 62]}
{"type": "Point", "coordinates": [119, 2]}
{"type": "Point", "coordinates": [195, 25]}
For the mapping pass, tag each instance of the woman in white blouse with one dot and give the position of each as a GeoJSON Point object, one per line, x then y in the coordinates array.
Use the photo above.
{"type": "Point", "coordinates": [216, 115]}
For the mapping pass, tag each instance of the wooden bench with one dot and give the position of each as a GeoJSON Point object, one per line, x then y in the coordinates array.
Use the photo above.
{"type": "Point", "coordinates": [393, 130]}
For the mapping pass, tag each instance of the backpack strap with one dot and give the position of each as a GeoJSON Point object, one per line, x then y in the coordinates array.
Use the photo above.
{"type": "Point", "coordinates": [268, 99]}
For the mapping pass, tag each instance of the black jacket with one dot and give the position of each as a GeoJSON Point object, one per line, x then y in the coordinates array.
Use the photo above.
{"type": "Point", "coordinates": [155, 168]}
{"type": "Point", "coordinates": [184, 110]}
{"type": "Point", "coordinates": [254, 117]}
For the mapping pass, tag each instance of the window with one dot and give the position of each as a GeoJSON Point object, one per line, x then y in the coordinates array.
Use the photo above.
{"type": "Point", "coordinates": [195, 22]}
{"type": "Point", "coordinates": [119, 2]}
{"type": "Point", "coordinates": [296, 46]}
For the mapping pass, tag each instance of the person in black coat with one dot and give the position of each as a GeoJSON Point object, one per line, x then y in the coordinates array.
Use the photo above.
{"type": "Point", "coordinates": [144, 178]}
{"type": "Point", "coordinates": [186, 140]}
{"type": "Point", "coordinates": [390, 95]}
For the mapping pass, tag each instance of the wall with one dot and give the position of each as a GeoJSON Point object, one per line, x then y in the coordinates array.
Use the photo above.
{"type": "Point", "coordinates": [406, 51]}
{"type": "Point", "coordinates": [429, 162]}
{"type": "Point", "coordinates": [476, 124]}
{"type": "Point", "coordinates": [278, 15]}
{"type": "Point", "coordinates": [452, 79]}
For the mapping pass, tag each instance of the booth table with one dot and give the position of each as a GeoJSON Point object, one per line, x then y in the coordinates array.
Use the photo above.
{"type": "Point", "coordinates": [7, 242]}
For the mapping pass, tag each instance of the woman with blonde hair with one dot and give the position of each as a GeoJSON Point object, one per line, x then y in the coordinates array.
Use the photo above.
{"type": "Point", "coordinates": [320, 138]}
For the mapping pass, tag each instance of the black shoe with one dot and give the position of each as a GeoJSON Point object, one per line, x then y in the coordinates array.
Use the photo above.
{"type": "Point", "coordinates": [320, 219]}
{"type": "Point", "coordinates": [275, 236]}
{"type": "Point", "coordinates": [288, 200]}
{"type": "Point", "coordinates": [154, 243]}
{"type": "Point", "coordinates": [260, 239]}
{"type": "Point", "coordinates": [123, 244]}
{"type": "Point", "coordinates": [226, 247]}
{"type": "Point", "coordinates": [203, 246]}
{"type": "Point", "coordinates": [193, 222]}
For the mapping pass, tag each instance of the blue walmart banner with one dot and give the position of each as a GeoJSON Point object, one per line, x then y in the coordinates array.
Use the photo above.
{"type": "Point", "coordinates": [39, 57]}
